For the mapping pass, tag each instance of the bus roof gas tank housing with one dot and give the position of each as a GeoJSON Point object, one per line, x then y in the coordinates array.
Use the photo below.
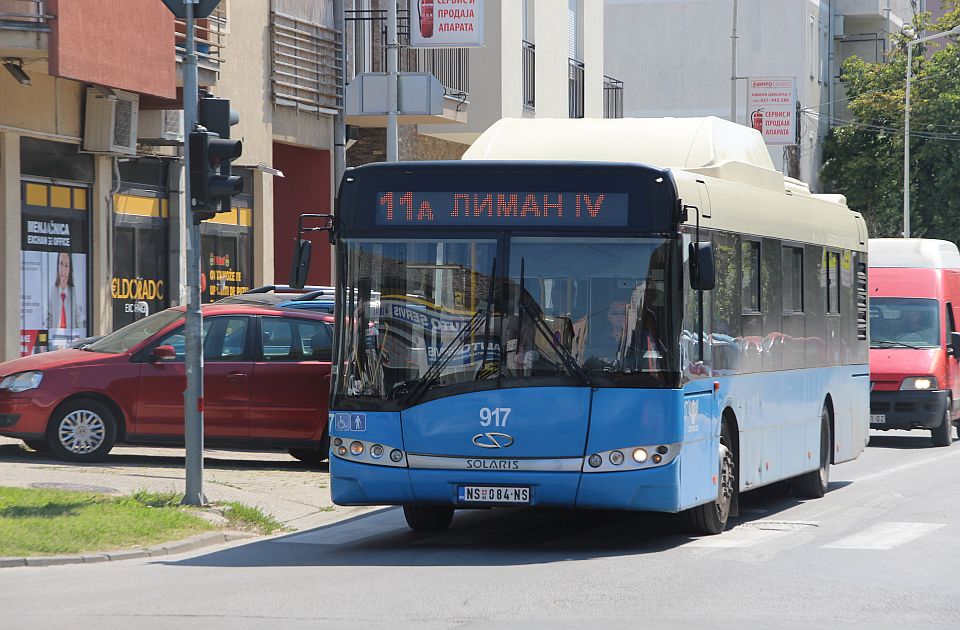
{"type": "Point", "coordinates": [707, 146]}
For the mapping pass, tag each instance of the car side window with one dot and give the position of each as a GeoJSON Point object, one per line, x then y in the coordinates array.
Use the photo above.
{"type": "Point", "coordinates": [224, 339]}
{"type": "Point", "coordinates": [316, 340]}
{"type": "Point", "coordinates": [276, 337]}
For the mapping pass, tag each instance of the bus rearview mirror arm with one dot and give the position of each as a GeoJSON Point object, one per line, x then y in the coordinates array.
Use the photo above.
{"type": "Point", "coordinates": [300, 265]}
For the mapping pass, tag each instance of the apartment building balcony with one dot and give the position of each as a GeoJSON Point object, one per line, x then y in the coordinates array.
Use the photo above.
{"type": "Point", "coordinates": [24, 29]}
{"type": "Point", "coordinates": [210, 34]}
{"type": "Point", "coordinates": [366, 41]}
{"type": "Point", "coordinates": [575, 88]}
{"type": "Point", "coordinates": [612, 97]}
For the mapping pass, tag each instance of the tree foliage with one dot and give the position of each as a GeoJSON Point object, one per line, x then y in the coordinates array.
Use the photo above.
{"type": "Point", "coordinates": [863, 156]}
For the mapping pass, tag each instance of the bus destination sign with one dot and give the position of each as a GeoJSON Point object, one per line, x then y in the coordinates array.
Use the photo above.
{"type": "Point", "coordinates": [502, 209]}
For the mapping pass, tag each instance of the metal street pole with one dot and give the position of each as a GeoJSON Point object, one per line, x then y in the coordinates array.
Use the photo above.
{"type": "Point", "coordinates": [392, 66]}
{"type": "Point", "coordinates": [193, 326]}
{"type": "Point", "coordinates": [906, 124]}
{"type": "Point", "coordinates": [733, 67]}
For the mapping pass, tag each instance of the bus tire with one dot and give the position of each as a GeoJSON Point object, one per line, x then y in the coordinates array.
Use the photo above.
{"type": "Point", "coordinates": [428, 518]}
{"type": "Point", "coordinates": [813, 485]}
{"type": "Point", "coordinates": [943, 434]}
{"type": "Point", "coordinates": [711, 518]}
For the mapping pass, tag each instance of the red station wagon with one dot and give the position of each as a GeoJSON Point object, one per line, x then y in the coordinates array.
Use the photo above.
{"type": "Point", "coordinates": [266, 383]}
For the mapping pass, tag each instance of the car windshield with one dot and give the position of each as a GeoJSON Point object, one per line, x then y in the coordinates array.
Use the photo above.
{"type": "Point", "coordinates": [904, 322]}
{"type": "Point", "coordinates": [130, 336]}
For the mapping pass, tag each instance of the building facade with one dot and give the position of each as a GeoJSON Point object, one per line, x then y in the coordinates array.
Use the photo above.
{"type": "Point", "coordinates": [91, 173]}
{"type": "Point", "coordinates": [687, 58]}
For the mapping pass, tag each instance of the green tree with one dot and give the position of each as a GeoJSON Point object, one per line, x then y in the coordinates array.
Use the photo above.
{"type": "Point", "coordinates": [863, 158]}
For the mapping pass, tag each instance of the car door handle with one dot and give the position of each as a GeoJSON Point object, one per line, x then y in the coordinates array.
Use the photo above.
{"type": "Point", "coordinates": [236, 376]}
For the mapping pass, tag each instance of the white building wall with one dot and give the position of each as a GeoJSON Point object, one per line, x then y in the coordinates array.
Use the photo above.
{"type": "Point", "coordinates": [675, 57]}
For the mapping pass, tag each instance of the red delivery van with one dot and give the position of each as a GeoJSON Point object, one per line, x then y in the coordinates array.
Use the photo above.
{"type": "Point", "coordinates": [914, 344]}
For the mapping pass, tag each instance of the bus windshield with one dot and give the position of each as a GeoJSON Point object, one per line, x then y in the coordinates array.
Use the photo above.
{"type": "Point", "coordinates": [430, 318]}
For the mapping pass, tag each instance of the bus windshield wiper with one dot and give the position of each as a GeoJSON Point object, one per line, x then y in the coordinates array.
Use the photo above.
{"type": "Point", "coordinates": [433, 373]}
{"type": "Point", "coordinates": [541, 325]}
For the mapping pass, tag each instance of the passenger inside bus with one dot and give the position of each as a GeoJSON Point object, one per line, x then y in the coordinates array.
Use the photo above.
{"type": "Point", "coordinates": [628, 337]}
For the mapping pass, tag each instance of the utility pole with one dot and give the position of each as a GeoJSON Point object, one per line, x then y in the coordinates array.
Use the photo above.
{"type": "Point", "coordinates": [193, 326]}
{"type": "Point", "coordinates": [392, 74]}
{"type": "Point", "coordinates": [733, 67]}
{"type": "Point", "coordinates": [906, 124]}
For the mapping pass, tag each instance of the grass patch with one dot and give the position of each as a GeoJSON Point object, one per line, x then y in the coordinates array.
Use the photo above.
{"type": "Point", "coordinates": [247, 518]}
{"type": "Point", "coordinates": [41, 521]}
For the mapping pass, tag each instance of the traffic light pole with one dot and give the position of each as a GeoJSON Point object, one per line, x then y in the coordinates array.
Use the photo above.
{"type": "Point", "coordinates": [193, 327]}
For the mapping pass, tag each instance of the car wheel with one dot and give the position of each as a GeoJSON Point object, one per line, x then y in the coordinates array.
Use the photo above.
{"type": "Point", "coordinates": [943, 434]}
{"type": "Point", "coordinates": [38, 445]}
{"type": "Point", "coordinates": [428, 518]}
{"type": "Point", "coordinates": [82, 430]}
{"type": "Point", "coordinates": [813, 485]}
{"type": "Point", "coordinates": [313, 456]}
{"type": "Point", "coordinates": [711, 518]}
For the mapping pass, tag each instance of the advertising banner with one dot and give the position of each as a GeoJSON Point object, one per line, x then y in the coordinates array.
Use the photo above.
{"type": "Point", "coordinates": [446, 23]}
{"type": "Point", "coordinates": [53, 274]}
{"type": "Point", "coordinates": [772, 106]}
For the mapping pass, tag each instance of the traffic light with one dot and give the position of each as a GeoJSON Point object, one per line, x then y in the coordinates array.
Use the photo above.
{"type": "Point", "coordinates": [211, 150]}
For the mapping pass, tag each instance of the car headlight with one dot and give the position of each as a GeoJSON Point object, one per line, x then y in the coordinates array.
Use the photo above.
{"type": "Point", "coordinates": [919, 382]}
{"type": "Point", "coordinates": [22, 382]}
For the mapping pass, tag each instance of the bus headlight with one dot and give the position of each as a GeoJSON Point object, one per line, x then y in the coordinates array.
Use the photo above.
{"type": "Point", "coordinates": [376, 451]}
{"type": "Point", "coordinates": [396, 455]}
{"type": "Point", "coordinates": [639, 455]}
{"type": "Point", "coordinates": [616, 458]}
{"type": "Point", "coordinates": [919, 382]}
{"type": "Point", "coordinates": [595, 460]}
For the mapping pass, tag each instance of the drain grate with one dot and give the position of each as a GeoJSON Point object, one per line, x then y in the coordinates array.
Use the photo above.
{"type": "Point", "coordinates": [78, 487]}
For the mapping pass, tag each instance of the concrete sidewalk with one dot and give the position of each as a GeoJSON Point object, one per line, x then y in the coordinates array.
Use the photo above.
{"type": "Point", "coordinates": [295, 494]}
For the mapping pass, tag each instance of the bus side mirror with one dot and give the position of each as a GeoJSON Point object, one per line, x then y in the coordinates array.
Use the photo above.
{"type": "Point", "coordinates": [702, 270]}
{"type": "Point", "coordinates": [301, 264]}
{"type": "Point", "coordinates": [955, 345]}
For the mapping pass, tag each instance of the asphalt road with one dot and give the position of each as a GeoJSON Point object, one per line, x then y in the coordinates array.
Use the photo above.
{"type": "Point", "coordinates": [881, 549]}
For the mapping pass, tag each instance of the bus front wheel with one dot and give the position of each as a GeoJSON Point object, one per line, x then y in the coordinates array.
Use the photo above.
{"type": "Point", "coordinates": [428, 518]}
{"type": "Point", "coordinates": [711, 518]}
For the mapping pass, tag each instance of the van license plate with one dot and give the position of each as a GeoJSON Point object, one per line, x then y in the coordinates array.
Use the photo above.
{"type": "Point", "coordinates": [493, 494]}
{"type": "Point", "coordinates": [878, 418]}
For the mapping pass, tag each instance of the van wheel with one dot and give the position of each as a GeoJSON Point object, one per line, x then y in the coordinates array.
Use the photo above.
{"type": "Point", "coordinates": [428, 518]}
{"type": "Point", "coordinates": [311, 456]}
{"type": "Point", "coordinates": [711, 518]}
{"type": "Point", "coordinates": [82, 430]}
{"type": "Point", "coordinates": [813, 485]}
{"type": "Point", "coordinates": [943, 434]}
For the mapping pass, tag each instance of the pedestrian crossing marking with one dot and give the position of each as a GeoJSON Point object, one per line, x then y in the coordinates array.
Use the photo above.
{"type": "Point", "coordinates": [885, 535]}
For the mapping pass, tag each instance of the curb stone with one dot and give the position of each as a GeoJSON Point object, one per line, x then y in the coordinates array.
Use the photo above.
{"type": "Point", "coordinates": [164, 549]}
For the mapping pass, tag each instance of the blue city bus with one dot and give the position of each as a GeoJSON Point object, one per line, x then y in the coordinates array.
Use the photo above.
{"type": "Point", "coordinates": [580, 335]}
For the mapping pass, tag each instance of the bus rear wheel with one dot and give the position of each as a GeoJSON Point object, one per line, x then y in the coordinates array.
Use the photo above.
{"type": "Point", "coordinates": [813, 485]}
{"type": "Point", "coordinates": [428, 518]}
{"type": "Point", "coordinates": [711, 518]}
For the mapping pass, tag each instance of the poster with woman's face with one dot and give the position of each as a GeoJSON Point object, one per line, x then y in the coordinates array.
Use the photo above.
{"type": "Point", "coordinates": [53, 284]}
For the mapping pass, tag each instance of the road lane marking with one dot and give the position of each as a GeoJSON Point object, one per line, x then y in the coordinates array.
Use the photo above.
{"type": "Point", "coordinates": [738, 538]}
{"type": "Point", "coordinates": [353, 530]}
{"type": "Point", "coordinates": [897, 469]}
{"type": "Point", "coordinates": [885, 536]}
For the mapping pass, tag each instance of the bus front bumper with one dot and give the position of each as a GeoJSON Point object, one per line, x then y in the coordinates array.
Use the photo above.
{"type": "Point", "coordinates": [654, 489]}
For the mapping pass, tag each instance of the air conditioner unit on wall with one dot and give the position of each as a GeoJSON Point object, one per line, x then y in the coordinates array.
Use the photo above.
{"type": "Point", "coordinates": [110, 122]}
{"type": "Point", "coordinates": [160, 126]}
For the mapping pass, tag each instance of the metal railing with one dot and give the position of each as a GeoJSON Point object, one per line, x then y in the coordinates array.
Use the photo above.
{"type": "Point", "coordinates": [305, 64]}
{"type": "Point", "coordinates": [575, 88]}
{"type": "Point", "coordinates": [529, 76]}
{"type": "Point", "coordinates": [367, 38]}
{"type": "Point", "coordinates": [24, 15]}
{"type": "Point", "coordinates": [612, 97]}
{"type": "Point", "coordinates": [210, 33]}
